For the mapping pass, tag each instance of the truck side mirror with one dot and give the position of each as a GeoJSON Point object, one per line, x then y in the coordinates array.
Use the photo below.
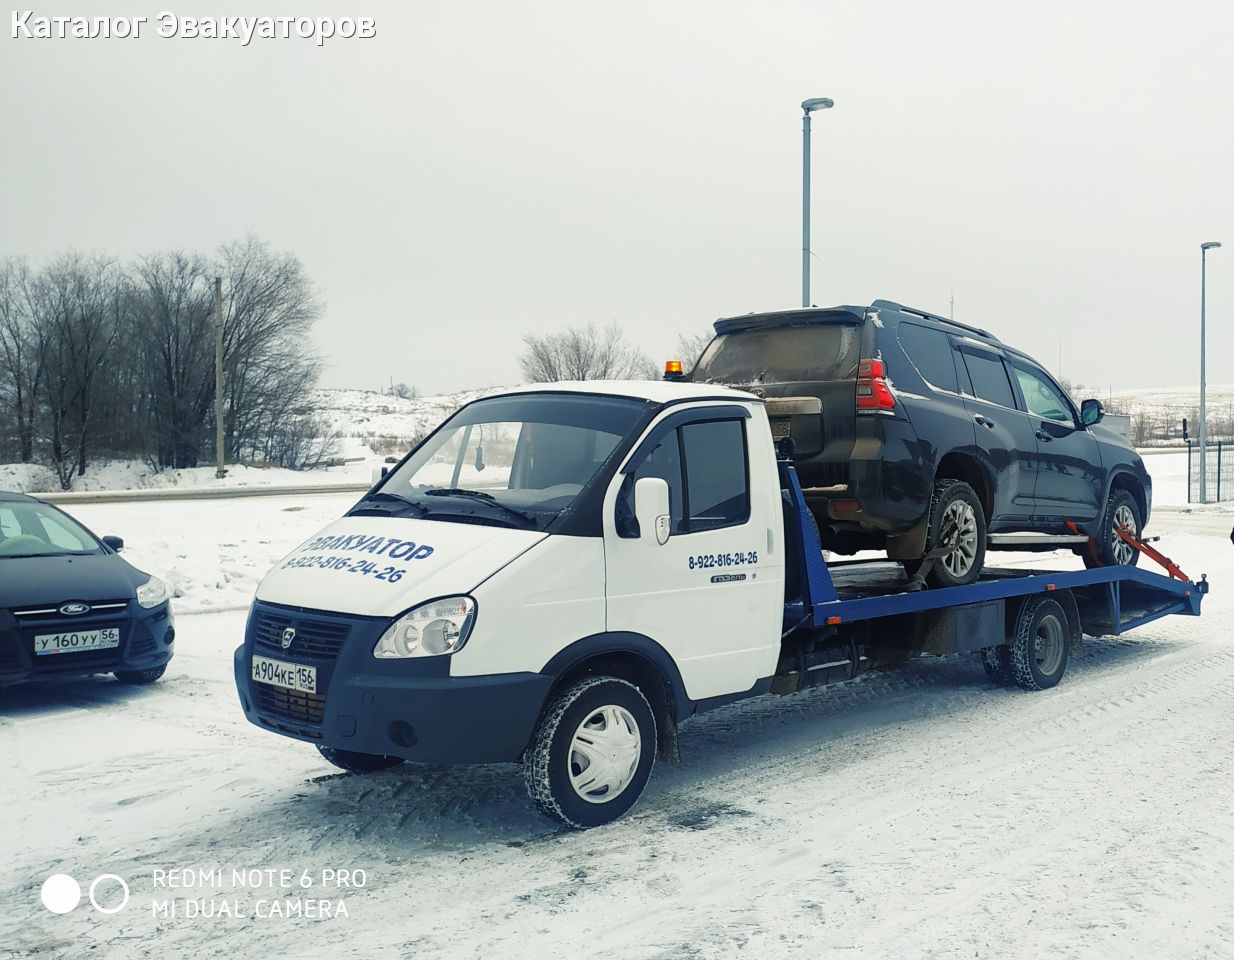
{"type": "Point", "coordinates": [652, 510]}
{"type": "Point", "coordinates": [1091, 412]}
{"type": "Point", "coordinates": [379, 473]}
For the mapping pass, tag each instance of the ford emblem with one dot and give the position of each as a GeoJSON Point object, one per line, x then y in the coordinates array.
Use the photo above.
{"type": "Point", "coordinates": [75, 609]}
{"type": "Point", "coordinates": [288, 635]}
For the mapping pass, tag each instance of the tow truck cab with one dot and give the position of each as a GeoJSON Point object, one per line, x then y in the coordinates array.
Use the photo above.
{"type": "Point", "coordinates": [562, 574]}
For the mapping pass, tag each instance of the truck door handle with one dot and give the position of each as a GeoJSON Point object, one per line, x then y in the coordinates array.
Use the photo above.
{"type": "Point", "coordinates": [984, 421]}
{"type": "Point", "coordinates": [1043, 436]}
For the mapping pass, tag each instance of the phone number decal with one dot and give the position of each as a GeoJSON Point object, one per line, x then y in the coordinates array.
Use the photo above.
{"type": "Point", "coordinates": [709, 561]}
{"type": "Point", "coordinates": [347, 564]}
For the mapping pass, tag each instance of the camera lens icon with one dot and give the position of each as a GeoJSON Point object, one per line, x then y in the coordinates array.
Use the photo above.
{"type": "Point", "coordinates": [61, 893]}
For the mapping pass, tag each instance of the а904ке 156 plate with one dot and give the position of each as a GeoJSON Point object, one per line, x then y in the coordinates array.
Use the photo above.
{"type": "Point", "coordinates": [280, 673]}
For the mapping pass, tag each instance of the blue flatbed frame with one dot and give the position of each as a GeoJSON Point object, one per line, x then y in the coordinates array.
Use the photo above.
{"type": "Point", "coordinates": [822, 606]}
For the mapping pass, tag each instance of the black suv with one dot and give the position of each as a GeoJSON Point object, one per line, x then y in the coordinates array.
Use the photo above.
{"type": "Point", "coordinates": [932, 440]}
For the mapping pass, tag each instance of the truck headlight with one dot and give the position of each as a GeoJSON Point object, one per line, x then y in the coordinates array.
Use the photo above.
{"type": "Point", "coordinates": [429, 630]}
{"type": "Point", "coordinates": [152, 593]}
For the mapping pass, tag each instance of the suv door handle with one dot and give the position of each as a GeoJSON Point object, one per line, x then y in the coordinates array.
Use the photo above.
{"type": "Point", "coordinates": [984, 421]}
{"type": "Point", "coordinates": [1043, 436]}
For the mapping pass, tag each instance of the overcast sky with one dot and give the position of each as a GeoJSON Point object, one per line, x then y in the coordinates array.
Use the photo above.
{"type": "Point", "coordinates": [484, 169]}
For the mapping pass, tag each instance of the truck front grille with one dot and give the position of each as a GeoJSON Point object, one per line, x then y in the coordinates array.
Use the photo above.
{"type": "Point", "coordinates": [314, 639]}
{"type": "Point", "coordinates": [290, 704]}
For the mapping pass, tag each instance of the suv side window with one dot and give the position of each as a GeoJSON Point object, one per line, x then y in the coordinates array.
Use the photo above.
{"type": "Point", "coordinates": [930, 351]}
{"type": "Point", "coordinates": [704, 465]}
{"type": "Point", "coordinates": [1041, 396]}
{"type": "Point", "coordinates": [989, 378]}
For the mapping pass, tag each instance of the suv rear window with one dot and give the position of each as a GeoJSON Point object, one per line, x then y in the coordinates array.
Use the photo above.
{"type": "Point", "coordinates": [778, 354]}
{"type": "Point", "coordinates": [930, 351]}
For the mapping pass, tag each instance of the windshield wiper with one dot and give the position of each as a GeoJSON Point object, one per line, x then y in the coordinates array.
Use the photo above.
{"type": "Point", "coordinates": [385, 505]}
{"type": "Point", "coordinates": [483, 498]}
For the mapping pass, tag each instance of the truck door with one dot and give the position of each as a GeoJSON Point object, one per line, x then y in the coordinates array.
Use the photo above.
{"type": "Point", "coordinates": [1070, 480]}
{"type": "Point", "coordinates": [1004, 434]}
{"type": "Point", "coordinates": [712, 593]}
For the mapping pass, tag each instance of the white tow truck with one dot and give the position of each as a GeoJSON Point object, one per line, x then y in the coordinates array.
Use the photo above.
{"type": "Point", "coordinates": [560, 575]}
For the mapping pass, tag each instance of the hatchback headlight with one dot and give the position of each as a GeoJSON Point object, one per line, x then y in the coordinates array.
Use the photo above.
{"type": "Point", "coordinates": [429, 630]}
{"type": "Point", "coordinates": [152, 593]}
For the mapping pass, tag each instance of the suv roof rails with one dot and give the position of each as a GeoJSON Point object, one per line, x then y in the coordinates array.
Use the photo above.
{"type": "Point", "coordinates": [934, 316]}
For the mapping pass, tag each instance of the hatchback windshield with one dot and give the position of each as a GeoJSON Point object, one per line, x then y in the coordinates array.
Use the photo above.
{"type": "Point", "coordinates": [31, 529]}
{"type": "Point", "coordinates": [515, 461]}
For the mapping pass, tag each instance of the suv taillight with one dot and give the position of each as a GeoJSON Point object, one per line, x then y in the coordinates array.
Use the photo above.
{"type": "Point", "coordinates": [873, 392]}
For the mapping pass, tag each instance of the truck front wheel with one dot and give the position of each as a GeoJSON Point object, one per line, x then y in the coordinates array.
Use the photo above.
{"type": "Point", "coordinates": [592, 752]}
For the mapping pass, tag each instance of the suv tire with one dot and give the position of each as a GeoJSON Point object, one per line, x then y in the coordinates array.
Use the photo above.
{"type": "Point", "coordinates": [955, 515]}
{"type": "Point", "coordinates": [1111, 550]}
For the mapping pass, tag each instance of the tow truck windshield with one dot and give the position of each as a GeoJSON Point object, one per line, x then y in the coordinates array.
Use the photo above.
{"type": "Point", "coordinates": [510, 461]}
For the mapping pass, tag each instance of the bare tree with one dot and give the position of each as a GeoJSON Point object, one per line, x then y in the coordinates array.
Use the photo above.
{"type": "Point", "coordinates": [79, 302]}
{"type": "Point", "coordinates": [403, 391]}
{"type": "Point", "coordinates": [175, 336]}
{"type": "Point", "coordinates": [23, 353]}
{"type": "Point", "coordinates": [690, 347]}
{"type": "Point", "coordinates": [270, 308]}
{"type": "Point", "coordinates": [583, 353]}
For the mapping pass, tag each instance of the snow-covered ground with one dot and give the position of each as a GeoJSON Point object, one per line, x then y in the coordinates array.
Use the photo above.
{"type": "Point", "coordinates": [916, 812]}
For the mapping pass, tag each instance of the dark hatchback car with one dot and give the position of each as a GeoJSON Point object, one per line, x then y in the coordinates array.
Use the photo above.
{"type": "Point", "coordinates": [933, 440]}
{"type": "Point", "coordinates": [70, 605]}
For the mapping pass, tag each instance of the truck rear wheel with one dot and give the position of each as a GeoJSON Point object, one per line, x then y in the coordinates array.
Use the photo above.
{"type": "Point", "coordinates": [997, 665]}
{"type": "Point", "coordinates": [1038, 647]}
{"type": "Point", "coordinates": [592, 752]}
{"type": "Point", "coordinates": [354, 762]}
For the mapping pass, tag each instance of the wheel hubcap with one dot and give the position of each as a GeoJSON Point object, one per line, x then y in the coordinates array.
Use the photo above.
{"type": "Point", "coordinates": [604, 754]}
{"type": "Point", "coordinates": [1120, 548]}
{"type": "Point", "coordinates": [1049, 644]}
{"type": "Point", "coordinates": [959, 533]}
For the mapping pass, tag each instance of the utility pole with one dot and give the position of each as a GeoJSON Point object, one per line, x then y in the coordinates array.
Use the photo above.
{"type": "Point", "coordinates": [951, 311]}
{"type": "Point", "coordinates": [219, 472]}
{"type": "Point", "coordinates": [807, 107]}
{"type": "Point", "coordinates": [1204, 248]}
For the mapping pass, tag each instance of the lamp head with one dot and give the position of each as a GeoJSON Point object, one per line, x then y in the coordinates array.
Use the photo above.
{"type": "Point", "coordinates": [817, 103]}
{"type": "Point", "coordinates": [1210, 245]}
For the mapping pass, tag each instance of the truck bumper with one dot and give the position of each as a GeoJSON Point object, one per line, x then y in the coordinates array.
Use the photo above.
{"type": "Point", "coordinates": [441, 719]}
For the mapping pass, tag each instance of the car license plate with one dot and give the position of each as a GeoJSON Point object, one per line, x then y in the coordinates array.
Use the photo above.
{"type": "Point", "coordinates": [48, 644]}
{"type": "Point", "coordinates": [279, 673]}
{"type": "Point", "coordinates": [781, 429]}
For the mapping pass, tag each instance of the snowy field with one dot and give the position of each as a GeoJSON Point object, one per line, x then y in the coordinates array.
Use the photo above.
{"type": "Point", "coordinates": [916, 812]}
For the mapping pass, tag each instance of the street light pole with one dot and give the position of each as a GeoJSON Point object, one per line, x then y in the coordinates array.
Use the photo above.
{"type": "Point", "coordinates": [807, 107]}
{"type": "Point", "coordinates": [219, 458]}
{"type": "Point", "coordinates": [1204, 248]}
